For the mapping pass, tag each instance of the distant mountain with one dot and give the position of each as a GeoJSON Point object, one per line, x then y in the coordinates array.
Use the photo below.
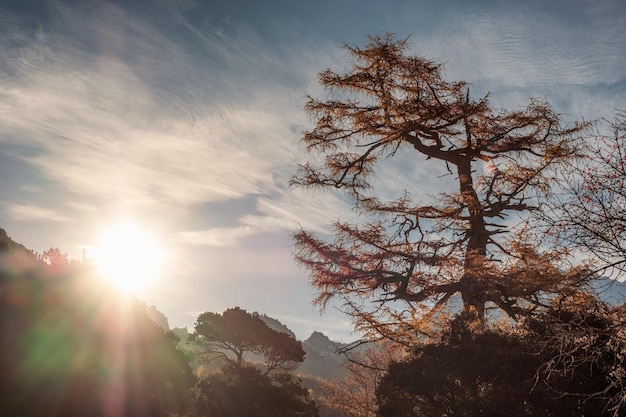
{"type": "Point", "coordinates": [323, 359]}
{"type": "Point", "coordinates": [320, 343]}
{"type": "Point", "coordinates": [181, 332]}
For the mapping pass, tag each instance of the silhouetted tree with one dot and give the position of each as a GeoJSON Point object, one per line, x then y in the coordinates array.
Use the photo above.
{"type": "Point", "coordinates": [281, 351]}
{"type": "Point", "coordinates": [236, 332]}
{"type": "Point", "coordinates": [405, 260]}
{"type": "Point", "coordinates": [592, 211]}
{"type": "Point", "coordinates": [55, 258]}
{"type": "Point", "coordinates": [582, 335]}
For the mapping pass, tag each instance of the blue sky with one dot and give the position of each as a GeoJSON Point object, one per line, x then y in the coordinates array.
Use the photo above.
{"type": "Point", "coordinates": [185, 117]}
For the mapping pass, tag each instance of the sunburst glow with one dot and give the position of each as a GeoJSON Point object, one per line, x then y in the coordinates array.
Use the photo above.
{"type": "Point", "coordinates": [128, 257]}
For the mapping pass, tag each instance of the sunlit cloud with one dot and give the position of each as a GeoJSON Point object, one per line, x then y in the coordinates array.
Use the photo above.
{"type": "Point", "coordinates": [222, 153]}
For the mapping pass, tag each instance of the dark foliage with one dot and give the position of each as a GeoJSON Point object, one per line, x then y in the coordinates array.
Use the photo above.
{"type": "Point", "coordinates": [495, 373]}
{"type": "Point", "coordinates": [582, 343]}
{"type": "Point", "coordinates": [243, 391]}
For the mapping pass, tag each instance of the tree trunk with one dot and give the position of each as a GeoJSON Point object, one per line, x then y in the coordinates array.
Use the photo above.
{"type": "Point", "coordinates": [471, 285]}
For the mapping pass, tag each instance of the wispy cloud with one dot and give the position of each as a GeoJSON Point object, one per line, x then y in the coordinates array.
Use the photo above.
{"type": "Point", "coordinates": [282, 213]}
{"type": "Point", "coordinates": [133, 116]}
{"type": "Point", "coordinates": [105, 128]}
{"type": "Point", "coordinates": [29, 213]}
{"type": "Point", "coordinates": [545, 50]}
{"type": "Point", "coordinates": [218, 236]}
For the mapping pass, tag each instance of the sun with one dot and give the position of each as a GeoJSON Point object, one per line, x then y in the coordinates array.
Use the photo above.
{"type": "Point", "coordinates": [128, 257]}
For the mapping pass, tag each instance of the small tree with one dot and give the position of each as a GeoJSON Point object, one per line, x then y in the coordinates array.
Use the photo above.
{"type": "Point", "coordinates": [55, 258]}
{"type": "Point", "coordinates": [236, 332]}
{"type": "Point", "coordinates": [281, 351]}
{"type": "Point", "coordinates": [406, 260]}
{"type": "Point", "coordinates": [353, 395]}
{"type": "Point", "coordinates": [592, 212]}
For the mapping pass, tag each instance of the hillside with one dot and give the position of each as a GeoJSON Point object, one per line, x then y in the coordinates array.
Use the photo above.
{"type": "Point", "coordinates": [62, 334]}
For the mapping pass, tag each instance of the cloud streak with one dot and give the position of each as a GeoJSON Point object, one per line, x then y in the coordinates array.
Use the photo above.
{"type": "Point", "coordinates": [552, 50]}
{"type": "Point", "coordinates": [102, 129]}
{"type": "Point", "coordinates": [218, 236]}
{"type": "Point", "coordinates": [26, 212]}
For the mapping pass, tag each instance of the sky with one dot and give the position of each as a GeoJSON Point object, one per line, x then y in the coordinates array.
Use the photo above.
{"type": "Point", "coordinates": [184, 117]}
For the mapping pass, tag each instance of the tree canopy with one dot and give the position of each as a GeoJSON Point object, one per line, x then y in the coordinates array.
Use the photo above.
{"type": "Point", "coordinates": [568, 360]}
{"type": "Point", "coordinates": [404, 261]}
{"type": "Point", "coordinates": [236, 332]}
